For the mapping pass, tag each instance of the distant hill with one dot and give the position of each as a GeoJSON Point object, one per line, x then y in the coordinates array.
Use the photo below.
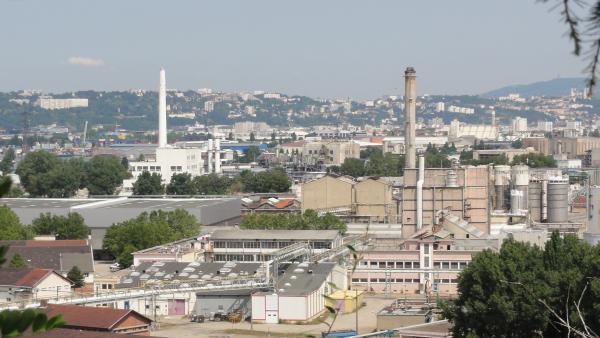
{"type": "Point", "coordinates": [555, 87]}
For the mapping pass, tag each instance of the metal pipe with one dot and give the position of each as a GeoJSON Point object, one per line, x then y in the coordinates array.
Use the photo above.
{"type": "Point", "coordinates": [420, 192]}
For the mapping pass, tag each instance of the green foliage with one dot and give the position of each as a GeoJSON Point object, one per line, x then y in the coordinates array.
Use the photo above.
{"type": "Point", "coordinates": [250, 155]}
{"type": "Point", "coordinates": [11, 227]}
{"type": "Point", "coordinates": [521, 284]}
{"type": "Point", "coordinates": [535, 160]}
{"type": "Point", "coordinates": [148, 184]}
{"type": "Point", "coordinates": [43, 174]}
{"type": "Point", "coordinates": [5, 186]}
{"type": "Point", "coordinates": [105, 174]}
{"type": "Point", "coordinates": [497, 159]}
{"type": "Point", "coordinates": [310, 220]}
{"type": "Point", "coordinates": [376, 164]}
{"type": "Point", "coordinates": [274, 180]}
{"type": "Point", "coordinates": [14, 323]}
{"type": "Point", "coordinates": [17, 261]}
{"type": "Point", "coordinates": [212, 184]}
{"type": "Point", "coordinates": [148, 230]}
{"type": "Point", "coordinates": [76, 276]}
{"type": "Point", "coordinates": [71, 226]}
{"type": "Point", "coordinates": [434, 158]}
{"type": "Point", "coordinates": [6, 165]}
{"type": "Point", "coordinates": [181, 184]}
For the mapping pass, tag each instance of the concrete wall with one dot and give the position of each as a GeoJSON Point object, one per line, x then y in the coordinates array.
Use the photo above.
{"type": "Point", "coordinates": [373, 198]}
{"type": "Point", "coordinates": [326, 192]}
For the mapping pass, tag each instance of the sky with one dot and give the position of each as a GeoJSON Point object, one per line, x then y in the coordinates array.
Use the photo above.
{"type": "Point", "coordinates": [319, 48]}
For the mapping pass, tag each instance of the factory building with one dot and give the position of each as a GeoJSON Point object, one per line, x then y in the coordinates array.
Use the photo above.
{"type": "Point", "coordinates": [259, 245]}
{"type": "Point", "coordinates": [198, 159]}
{"type": "Point", "coordinates": [463, 191]}
{"type": "Point", "coordinates": [370, 199]}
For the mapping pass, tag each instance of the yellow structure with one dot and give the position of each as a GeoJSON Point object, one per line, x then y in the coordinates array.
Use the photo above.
{"type": "Point", "coordinates": [346, 301]}
{"type": "Point", "coordinates": [370, 198]}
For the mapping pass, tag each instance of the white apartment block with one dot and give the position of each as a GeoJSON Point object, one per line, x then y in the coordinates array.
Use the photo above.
{"type": "Point", "coordinates": [50, 103]}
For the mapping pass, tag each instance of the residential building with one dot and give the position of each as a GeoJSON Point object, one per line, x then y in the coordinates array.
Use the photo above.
{"type": "Point", "coordinates": [27, 284]}
{"type": "Point", "coordinates": [104, 319]}
{"type": "Point", "coordinates": [321, 152]}
{"type": "Point", "coordinates": [52, 104]}
{"type": "Point", "coordinates": [58, 255]}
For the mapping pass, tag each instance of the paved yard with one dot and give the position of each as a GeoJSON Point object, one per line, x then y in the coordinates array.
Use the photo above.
{"type": "Point", "coordinates": [181, 327]}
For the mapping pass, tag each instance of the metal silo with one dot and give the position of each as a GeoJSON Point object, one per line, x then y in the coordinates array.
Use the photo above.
{"type": "Point", "coordinates": [501, 184]}
{"type": "Point", "coordinates": [535, 200]}
{"type": "Point", "coordinates": [520, 181]}
{"type": "Point", "coordinates": [558, 200]}
{"type": "Point", "coordinates": [517, 201]}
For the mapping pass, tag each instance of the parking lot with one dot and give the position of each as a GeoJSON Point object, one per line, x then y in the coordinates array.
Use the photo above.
{"type": "Point", "coordinates": [182, 327]}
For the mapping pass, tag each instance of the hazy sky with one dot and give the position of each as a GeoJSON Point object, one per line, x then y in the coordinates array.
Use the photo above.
{"type": "Point", "coordinates": [321, 48]}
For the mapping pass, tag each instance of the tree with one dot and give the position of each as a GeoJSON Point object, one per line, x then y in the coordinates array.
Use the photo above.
{"type": "Point", "coordinates": [309, 220]}
{"type": "Point", "coordinates": [353, 167]}
{"type": "Point", "coordinates": [250, 155]}
{"type": "Point", "coordinates": [535, 160]}
{"type": "Point", "coordinates": [104, 174]}
{"type": "Point", "coordinates": [274, 180]}
{"type": "Point", "coordinates": [76, 276]}
{"type": "Point", "coordinates": [148, 230]}
{"type": "Point", "coordinates": [252, 137]}
{"type": "Point", "coordinates": [530, 288]}
{"type": "Point", "coordinates": [586, 40]}
{"type": "Point", "coordinates": [181, 184]}
{"type": "Point", "coordinates": [71, 226]}
{"type": "Point", "coordinates": [212, 184]}
{"type": "Point", "coordinates": [6, 165]}
{"type": "Point", "coordinates": [32, 171]}
{"type": "Point", "coordinates": [17, 261]}
{"type": "Point", "coordinates": [11, 227]}
{"type": "Point", "coordinates": [148, 184]}
{"type": "Point", "coordinates": [125, 163]}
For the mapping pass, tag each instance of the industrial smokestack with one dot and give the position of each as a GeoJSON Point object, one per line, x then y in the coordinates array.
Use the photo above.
{"type": "Point", "coordinates": [162, 110]}
{"type": "Point", "coordinates": [410, 110]}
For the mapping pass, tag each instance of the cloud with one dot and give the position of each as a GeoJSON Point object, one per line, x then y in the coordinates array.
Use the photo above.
{"type": "Point", "coordinates": [85, 62]}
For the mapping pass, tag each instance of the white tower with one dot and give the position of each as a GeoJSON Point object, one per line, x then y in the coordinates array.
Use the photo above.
{"type": "Point", "coordinates": [162, 110]}
{"type": "Point", "coordinates": [410, 119]}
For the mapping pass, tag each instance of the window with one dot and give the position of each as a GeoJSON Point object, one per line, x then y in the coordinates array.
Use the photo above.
{"type": "Point", "coordinates": [426, 263]}
{"type": "Point", "coordinates": [251, 245]}
{"type": "Point", "coordinates": [436, 265]}
{"type": "Point", "coordinates": [426, 249]}
{"type": "Point", "coordinates": [454, 265]}
{"type": "Point", "coordinates": [416, 265]}
{"type": "Point", "coordinates": [399, 265]}
{"type": "Point", "coordinates": [445, 265]}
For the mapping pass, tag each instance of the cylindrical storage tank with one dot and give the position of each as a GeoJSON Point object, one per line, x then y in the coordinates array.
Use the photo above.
{"type": "Point", "coordinates": [501, 183]}
{"type": "Point", "coordinates": [520, 181]}
{"type": "Point", "coordinates": [535, 200]}
{"type": "Point", "coordinates": [451, 179]}
{"type": "Point", "coordinates": [558, 200]}
{"type": "Point", "coordinates": [517, 200]}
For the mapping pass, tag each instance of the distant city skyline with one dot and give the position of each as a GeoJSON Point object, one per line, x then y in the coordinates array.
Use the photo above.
{"type": "Point", "coordinates": [315, 48]}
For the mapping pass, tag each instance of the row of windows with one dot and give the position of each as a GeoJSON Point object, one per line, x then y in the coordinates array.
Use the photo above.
{"type": "Point", "coordinates": [241, 258]}
{"type": "Point", "coordinates": [146, 168]}
{"type": "Point", "coordinates": [390, 264]}
{"type": "Point", "coordinates": [402, 280]}
{"type": "Point", "coordinates": [383, 280]}
{"type": "Point", "coordinates": [265, 244]}
{"type": "Point", "coordinates": [450, 265]}
{"type": "Point", "coordinates": [176, 168]}
{"type": "Point", "coordinates": [411, 265]}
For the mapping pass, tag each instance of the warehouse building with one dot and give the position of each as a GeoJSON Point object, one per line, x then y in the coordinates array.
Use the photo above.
{"type": "Point", "coordinates": [100, 214]}
{"type": "Point", "coordinates": [299, 294]}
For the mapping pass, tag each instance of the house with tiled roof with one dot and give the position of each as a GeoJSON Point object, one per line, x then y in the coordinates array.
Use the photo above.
{"type": "Point", "coordinates": [21, 284]}
{"type": "Point", "coordinates": [266, 204]}
{"type": "Point", "coordinates": [58, 255]}
{"type": "Point", "coordinates": [103, 319]}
